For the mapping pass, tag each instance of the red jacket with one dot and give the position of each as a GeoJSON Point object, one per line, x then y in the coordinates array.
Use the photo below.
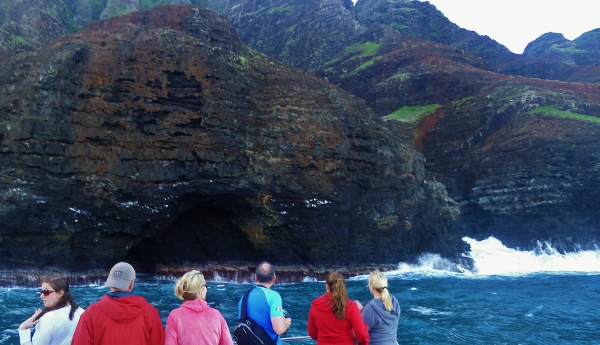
{"type": "Point", "coordinates": [327, 329]}
{"type": "Point", "coordinates": [128, 320]}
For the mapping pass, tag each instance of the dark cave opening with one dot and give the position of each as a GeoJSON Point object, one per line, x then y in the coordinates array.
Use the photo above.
{"type": "Point", "coordinates": [200, 235]}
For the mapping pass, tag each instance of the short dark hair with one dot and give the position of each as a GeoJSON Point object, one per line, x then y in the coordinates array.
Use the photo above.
{"type": "Point", "coordinates": [265, 272]}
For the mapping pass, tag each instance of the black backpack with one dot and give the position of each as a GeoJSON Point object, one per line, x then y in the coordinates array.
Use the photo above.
{"type": "Point", "coordinates": [248, 331]}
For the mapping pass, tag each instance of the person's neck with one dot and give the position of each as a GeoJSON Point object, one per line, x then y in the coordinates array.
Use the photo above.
{"type": "Point", "coordinates": [266, 285]}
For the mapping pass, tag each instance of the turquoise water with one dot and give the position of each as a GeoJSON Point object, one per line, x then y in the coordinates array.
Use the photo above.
{"type": "Point", "coordinates": [518, 306]}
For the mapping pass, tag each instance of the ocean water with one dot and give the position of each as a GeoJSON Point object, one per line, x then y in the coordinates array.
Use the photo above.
{"type": "Point", "coordinates": [512, 297]}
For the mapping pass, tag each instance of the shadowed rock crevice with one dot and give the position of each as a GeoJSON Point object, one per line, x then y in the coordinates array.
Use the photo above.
{"type": "Point", "coordinates": [201, 235]}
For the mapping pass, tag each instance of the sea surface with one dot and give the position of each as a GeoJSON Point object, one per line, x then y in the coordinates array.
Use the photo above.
{"type": "Point", "coordinates": [512, 297]}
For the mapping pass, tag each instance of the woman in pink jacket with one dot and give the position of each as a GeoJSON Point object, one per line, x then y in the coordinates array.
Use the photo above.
{"type": "Point", "coordinates": [195, 322]}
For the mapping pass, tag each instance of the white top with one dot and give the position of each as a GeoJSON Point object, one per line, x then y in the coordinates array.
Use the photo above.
{"type": "Point", "coordinates": [54, 328]}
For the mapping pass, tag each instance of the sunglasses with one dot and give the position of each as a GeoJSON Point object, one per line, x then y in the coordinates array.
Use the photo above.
{"type": "Point", "coordinates": [46, 292]}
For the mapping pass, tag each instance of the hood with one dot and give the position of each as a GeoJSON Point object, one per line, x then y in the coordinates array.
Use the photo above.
{"type": "Point", "coordinates": [123, 309]}
{"type": "Point", "coordinates": [388, 317]}
{"type": "Point", "coordinates": [197, 305]}
{"type": "Point", "coordinates": [323, 303]}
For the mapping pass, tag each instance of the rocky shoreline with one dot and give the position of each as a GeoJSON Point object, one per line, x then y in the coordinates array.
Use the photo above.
{"type": "Point", "coordinates": [234, 273]}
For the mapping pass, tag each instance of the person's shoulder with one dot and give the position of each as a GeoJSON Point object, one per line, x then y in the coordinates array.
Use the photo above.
{"type": "Point", "coordinates": [351, 305]}
{"type": "Point", "coordinates": [213, 312]}
{"type": "Point", "coordinates": [269, 292]}
{"type": "Point", "coordinates": [92, 307]}
{"type": "Point", "coordinates": [319, 300]}
{"type": "Point", "coordinates": [375, 303]}
{"type": "Point", "coordinates": [145, 302]}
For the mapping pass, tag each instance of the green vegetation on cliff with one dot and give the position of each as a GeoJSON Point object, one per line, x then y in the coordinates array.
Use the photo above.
{"type": "Point", "coordinates": [20, 41]}
{"type": "Point", "coordinates": [363, 49]}
{"type": "Point", "coordinates": [412, 113]}
{"type": "Point", "coordinates": [63, 13]}
{"type": "Point", "coordinates": [552, 111]}
{"type": "Point", "coordinates": [280, 9]}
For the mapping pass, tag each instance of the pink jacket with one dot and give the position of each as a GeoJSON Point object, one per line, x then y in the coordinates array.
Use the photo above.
{"type": "Point", "coordinates": [196, 323]}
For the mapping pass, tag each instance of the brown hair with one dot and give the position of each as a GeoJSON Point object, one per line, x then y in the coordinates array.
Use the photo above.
{"type": "Point", "coordinates": [337, 285]}
{"type": "Point", "coordinates": [60, 284]}
{"type": "Point", "coordinates": [380, 283]}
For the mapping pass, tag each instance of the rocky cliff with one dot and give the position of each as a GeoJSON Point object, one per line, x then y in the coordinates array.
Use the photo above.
{"type": "Point", "coordinates": [584, 50]}
{"type": "Point", "coordinates": [161, 138]}
{"type": "Point", "coordinates": [466, 117]}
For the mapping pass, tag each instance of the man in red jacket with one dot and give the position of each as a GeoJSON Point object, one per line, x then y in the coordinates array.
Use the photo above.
{"type": "Point", "coordinates": [120, 317]}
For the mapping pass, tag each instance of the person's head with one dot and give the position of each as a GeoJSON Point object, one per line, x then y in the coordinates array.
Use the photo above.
{"type": "Point", "coordinates": [191, 286]}
{"type": "Point", "coordinates": [265, 273]}
{"type": "Point", "coordinates": [55, 294]}
{"type": "Point", "coordinates": [121, 277]}
{"type": "Point", "coordinates": [53, 291]}
{"type": "Point", "coordinates": [378, 283]}
{"type": "Point", "coordinates": [336, 284]}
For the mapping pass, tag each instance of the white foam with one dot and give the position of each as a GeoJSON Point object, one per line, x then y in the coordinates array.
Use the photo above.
{"type": "Point", "coordinates": [491, 257]}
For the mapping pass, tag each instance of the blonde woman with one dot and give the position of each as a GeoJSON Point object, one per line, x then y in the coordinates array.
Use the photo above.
{"type": "Point", "coordinates": [195, 322]}
{"type": "Point", "coordinates": [333, 319]}
{"type": "Point", "coordinates": [382, 313]}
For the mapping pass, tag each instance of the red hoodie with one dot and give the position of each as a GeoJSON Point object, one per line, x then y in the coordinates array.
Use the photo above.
{"type": "Point", "coordinates": [129, 320]}
{"type": "Point", "coordinates": [327, 329]}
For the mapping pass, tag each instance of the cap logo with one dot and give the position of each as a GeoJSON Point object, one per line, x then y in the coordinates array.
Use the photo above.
{"type": "Point", "coordinates": [117, 274]}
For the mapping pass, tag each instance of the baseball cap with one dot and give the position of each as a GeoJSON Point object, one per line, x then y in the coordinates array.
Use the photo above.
{"type": "Point", "coordinates": [120, 276]}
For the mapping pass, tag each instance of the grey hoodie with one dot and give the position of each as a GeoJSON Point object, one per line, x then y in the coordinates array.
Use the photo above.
{"type": "Point", "coordinates": [383, 324]}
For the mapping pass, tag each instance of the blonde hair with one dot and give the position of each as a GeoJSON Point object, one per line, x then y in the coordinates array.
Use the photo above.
{"type": "Point", "coordinates": [337, 286]}
{"type": "Point", "coordinates": [379, 282]}
{"type": "Point", "coordinates": [187, 287]}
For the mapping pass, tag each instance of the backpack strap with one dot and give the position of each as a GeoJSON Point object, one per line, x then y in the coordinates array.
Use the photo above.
{"type": "Point", "coordinates": [245, 303]}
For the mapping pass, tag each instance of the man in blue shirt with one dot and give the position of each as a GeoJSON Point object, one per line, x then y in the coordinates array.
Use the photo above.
{"type": "Point", "coordinates": [264, 305]}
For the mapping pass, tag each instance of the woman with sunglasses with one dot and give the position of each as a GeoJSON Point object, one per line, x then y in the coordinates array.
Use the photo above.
{"type": "Point", "coordinates": [333, 319]}
{"type": "Point", "coordinates": [382, 313]}
{"type": "Point", "coordinates": [55, 323]}
{"type": "Point", "coordinates": [195, 322]}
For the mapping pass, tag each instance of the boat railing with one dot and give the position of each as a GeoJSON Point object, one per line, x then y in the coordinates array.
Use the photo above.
{"type": "Point", "coordinates": [306, 337]}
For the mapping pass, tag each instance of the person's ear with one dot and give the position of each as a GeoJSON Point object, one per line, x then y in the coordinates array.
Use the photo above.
{"type": "Point", "coordinates": [130, 287]}
{"type": "Point", "coordinates": [274, 278]}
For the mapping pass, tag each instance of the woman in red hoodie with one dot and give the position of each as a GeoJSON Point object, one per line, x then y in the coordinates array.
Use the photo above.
{"type": "Point", "coordinates": [335, 320]}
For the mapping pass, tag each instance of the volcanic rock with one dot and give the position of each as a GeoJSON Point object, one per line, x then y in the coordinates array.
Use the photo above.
{"type": "Point", "coordinates": [159, 137]}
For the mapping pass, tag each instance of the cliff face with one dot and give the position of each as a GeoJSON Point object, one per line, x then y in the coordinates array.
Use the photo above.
{"type": "Point", "coordinates": [303, 34]}
{"type": "Point", "coordinates": [162, 138]}
{"type": "Point", "coordinates": [498, 143]}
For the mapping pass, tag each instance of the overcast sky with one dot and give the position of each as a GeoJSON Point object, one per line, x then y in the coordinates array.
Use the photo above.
{"type": "Point", "coordinates": [515, 23]}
